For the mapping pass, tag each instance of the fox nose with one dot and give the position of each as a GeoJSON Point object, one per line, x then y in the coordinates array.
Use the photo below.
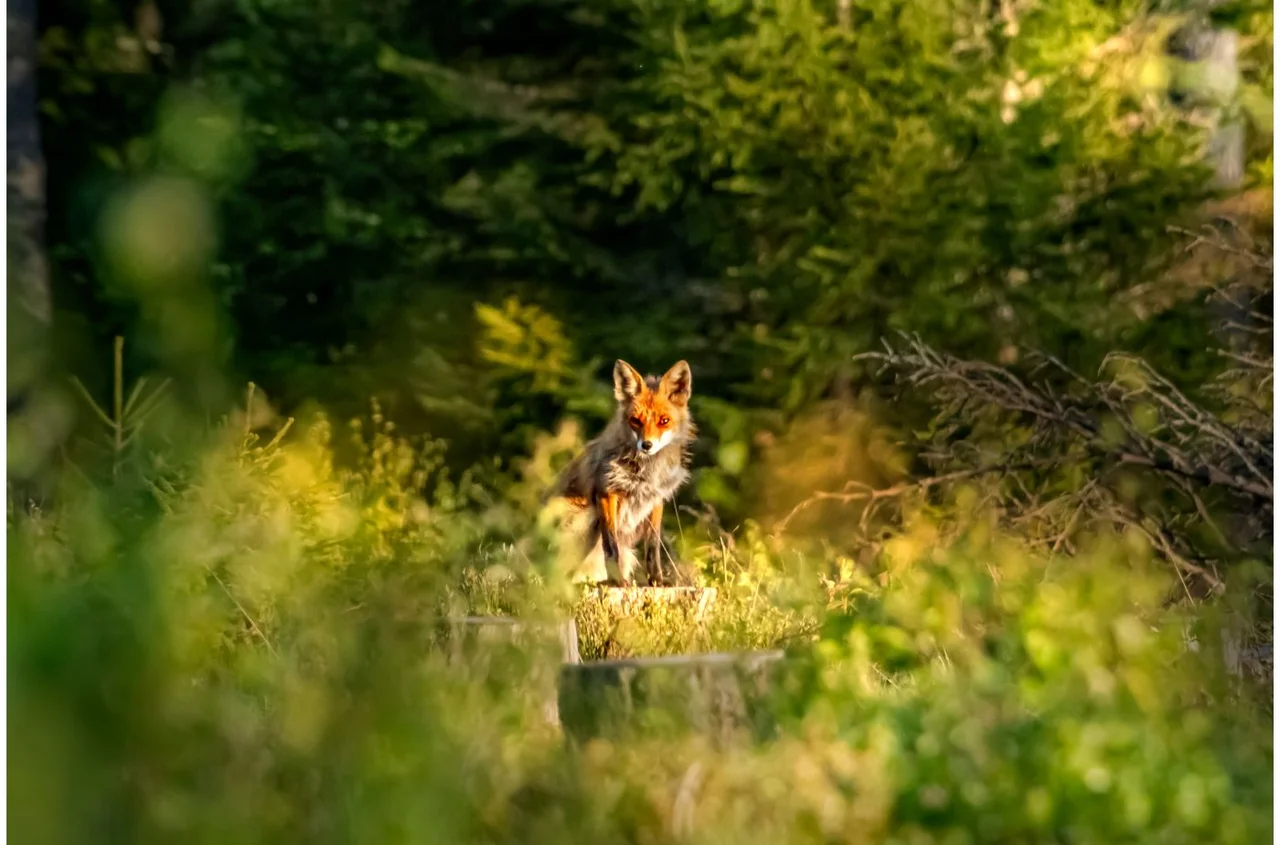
{"type": "Point", "coordinates": [646, 445]}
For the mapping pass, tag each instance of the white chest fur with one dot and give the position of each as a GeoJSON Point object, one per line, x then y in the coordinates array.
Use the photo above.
{"type": "Point", "coordinates": [644, 483]}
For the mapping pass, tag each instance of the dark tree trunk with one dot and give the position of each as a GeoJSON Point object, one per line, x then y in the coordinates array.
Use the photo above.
{"type": "Point", "coordinates": [29, 275]}
{"type": "Point", "coordinates": [36, 422]}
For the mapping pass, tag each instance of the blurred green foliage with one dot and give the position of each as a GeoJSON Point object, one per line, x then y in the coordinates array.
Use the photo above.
{"type": "Point", "coordinates": [422, 233]}
{"type": "Point", "coordinates": [246, 647]}
{"type": "Point", "coordinates": [762, 188]}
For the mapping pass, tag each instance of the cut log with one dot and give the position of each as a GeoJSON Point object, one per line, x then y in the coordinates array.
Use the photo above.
{"type": "Point", "coordinates": [468, 630]}
{"type": "Point", "coordinates": [483, 644]}
{"type": "Point", "coordinates": [724, 696]}
{"type": "Point", "coordinates": [622, 622]}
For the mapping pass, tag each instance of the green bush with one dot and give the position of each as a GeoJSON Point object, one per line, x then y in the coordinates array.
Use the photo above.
{"type": "Point", "coordinates": [1026, 698]}
{"type": "Point", "coordinates": [249, 651]}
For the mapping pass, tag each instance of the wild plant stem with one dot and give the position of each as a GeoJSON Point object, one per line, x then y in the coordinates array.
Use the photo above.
{"type": "Point", "coordinates": [248, 411]}
{"type": "Point", "coordinates": [118, 394]}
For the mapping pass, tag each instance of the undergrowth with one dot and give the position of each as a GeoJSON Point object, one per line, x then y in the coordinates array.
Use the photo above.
{"type": "Point", "coordinates": [243, 646]}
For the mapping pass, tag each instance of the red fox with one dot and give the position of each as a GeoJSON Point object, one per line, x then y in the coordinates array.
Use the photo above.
{"type": "Point", "coordinates": [622, 477]}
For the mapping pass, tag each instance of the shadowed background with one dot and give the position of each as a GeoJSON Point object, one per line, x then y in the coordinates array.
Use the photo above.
{"type": "Point", "coordinates": [308, 304]}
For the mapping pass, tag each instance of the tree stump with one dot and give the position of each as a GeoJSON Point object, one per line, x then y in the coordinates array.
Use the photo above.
{"type": "Point", "coordinates": [723, 695]}
{"type": "Point", "coordinates": [498, 646]}
{"type": "Point", "coordinates": [622, 622]}
{"type": "Point", "coordinates": [630, 600]}
{"type": "Point", "coordinates": [467, 631]}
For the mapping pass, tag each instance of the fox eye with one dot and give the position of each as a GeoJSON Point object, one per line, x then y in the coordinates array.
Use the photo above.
{"type": "Point", "coordinates": [636, 422]}
{"type": "Point", "coordinates": [664, 420]}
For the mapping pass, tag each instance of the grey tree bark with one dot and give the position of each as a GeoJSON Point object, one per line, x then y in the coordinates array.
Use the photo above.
{"type": "Point", "coordinates": [1216, 51]}
{"type": "Point", "coordinates": [1222, 79]}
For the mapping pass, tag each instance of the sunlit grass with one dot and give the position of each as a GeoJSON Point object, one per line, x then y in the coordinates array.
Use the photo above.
{"type": "Point", "coordinates": [252, 651]}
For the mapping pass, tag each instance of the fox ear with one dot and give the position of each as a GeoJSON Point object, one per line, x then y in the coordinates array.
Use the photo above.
{"type": "Point", "coordinates": [677, 384]}
{"type": "Point", "coordinates": [627, 383]}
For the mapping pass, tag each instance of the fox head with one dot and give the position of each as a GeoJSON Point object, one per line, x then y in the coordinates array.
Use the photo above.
{"type": "Point", "coordinates": [655, 410]}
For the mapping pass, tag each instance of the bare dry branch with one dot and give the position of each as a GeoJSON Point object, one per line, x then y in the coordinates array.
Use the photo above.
{"type": "Point", "coordinates": [1129, 419]}
{"type": "Point", "coordinates": [873, 495]}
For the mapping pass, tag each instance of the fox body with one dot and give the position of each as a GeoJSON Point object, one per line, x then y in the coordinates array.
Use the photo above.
{"type": "Point", "coordinates": [623, 476]}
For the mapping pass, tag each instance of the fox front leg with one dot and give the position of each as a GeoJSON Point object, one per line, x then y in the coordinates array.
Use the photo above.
{"type": "Point", "coordinates": [610, 505]}
{"type": "Point", "coordinates": [653, 546]}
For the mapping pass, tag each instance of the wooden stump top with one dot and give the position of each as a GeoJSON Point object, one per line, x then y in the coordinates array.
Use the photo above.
{"type": "Point", "coordinates": [631, 599]}
{"type": "Point", "coordinates": [716, 659]}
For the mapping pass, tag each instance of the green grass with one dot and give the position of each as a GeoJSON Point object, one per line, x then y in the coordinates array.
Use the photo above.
{"type": "Point", "coordinates": [243, 647]}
